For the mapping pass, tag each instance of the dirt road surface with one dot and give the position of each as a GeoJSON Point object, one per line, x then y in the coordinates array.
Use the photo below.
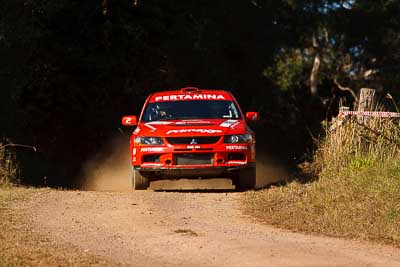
{"type": "Point", "coordinates": [150, 228]}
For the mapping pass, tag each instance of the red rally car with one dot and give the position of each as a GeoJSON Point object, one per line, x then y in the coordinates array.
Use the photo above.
{"type": "Point", "coordinates": [192, 133]}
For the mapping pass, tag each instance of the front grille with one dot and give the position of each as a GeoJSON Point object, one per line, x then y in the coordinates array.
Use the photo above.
{"type": "Point", "coordinates": [197, 140]}
{"type": "Point", "coordinates": [194, 159]}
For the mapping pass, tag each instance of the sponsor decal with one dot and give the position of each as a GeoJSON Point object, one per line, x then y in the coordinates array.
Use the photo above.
{"type": "Point", "coordinates": [193, 147]}
{"type": "Point", "coordinates": [236, 147]}
{"type": "Point", "coordinates": [189, 97]}
{"type": "Point", "coordinates": [151, 149]}
{"type": "Point", "coordinates": [228, 123]}
{"type": "Point", "coordinates": [159, 122]}
{"type": "Point", "coordinates": [136, 131]}
{"type": "Point", "coordinates": [134, 151]}
{"type": "Point", "coordinates": [150, 127]}
{"type": "Point", "coordinates": [235, 124]}
{"type": "Point", "coordinates": [191, 122]}
{"type": "Point", "coordinates": [237, 162]}
{"type": "Point", "coordinates": [208, 131]}
{"type": "Point", "coordinates": [151, 164]}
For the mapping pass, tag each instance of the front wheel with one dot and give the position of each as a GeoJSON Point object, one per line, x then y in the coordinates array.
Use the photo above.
{"type": "Point", "coordinates": [247, 178]}
{"type": "Point", "coordinates": [139, 182]}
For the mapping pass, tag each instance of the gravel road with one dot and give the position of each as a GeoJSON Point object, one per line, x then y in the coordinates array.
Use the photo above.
{"type": "Point", "coordinates": [150, 228]}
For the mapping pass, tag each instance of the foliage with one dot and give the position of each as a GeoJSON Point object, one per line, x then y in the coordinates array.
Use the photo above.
{"type": "Point", "coordinates": [70, 69]}
{"type": "Point", "coordinates": [288, 71]}
{"type": "Point", "coordinates": [8, 169]}
{"type": "Point", "coordinates": [349, 141]}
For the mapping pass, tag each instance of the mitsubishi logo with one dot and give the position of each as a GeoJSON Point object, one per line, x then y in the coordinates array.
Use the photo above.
{"type": "Point", "coordinates": [193, 142]}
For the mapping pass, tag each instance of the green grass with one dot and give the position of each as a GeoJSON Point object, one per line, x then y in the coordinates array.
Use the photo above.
{"type": "Point", "coordinates": [356, 196]}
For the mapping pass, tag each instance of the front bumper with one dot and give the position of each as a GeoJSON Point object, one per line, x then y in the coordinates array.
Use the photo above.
{"type": "Point", "coordinates": [192, 172]}
{"type": "Point", "coordinates": [193, 161]}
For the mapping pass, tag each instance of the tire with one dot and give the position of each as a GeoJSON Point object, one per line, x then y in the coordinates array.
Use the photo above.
{"type": "Point", "coordinates": [139, 182]}
{"type": "Point", "coordinates": [247, 178]}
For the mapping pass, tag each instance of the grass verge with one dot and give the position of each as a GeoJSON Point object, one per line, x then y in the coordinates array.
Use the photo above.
{"type": "Point", "coordinates": [21, 246]}
{"type": "Point", "coordinates": [357, 194]}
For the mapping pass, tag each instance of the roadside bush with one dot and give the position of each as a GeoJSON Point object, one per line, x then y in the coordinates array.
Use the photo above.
{"type": "Point", "coordinates": [351, 143]}
{"type": "Point", "coordinates": [8, 168]}
{"type": "Point", "coordinates": [357, 194]}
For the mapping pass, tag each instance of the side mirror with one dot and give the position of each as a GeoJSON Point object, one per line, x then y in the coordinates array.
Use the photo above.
{"type": "Point", "coordinates": [129, 120]}
{"type": "Point", "coordinates": [252, 116]}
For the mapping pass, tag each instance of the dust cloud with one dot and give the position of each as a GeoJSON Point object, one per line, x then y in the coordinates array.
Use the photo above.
{"type": "Point", "coordinates": [110, 169]}
{"type": "Point", "coordinates": [193, 184]}
{"type": "Point", "coordinates": [270, 171]}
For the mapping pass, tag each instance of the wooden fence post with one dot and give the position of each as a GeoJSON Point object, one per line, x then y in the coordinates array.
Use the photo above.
{"type": "Point", "coordinates": [367, 102]}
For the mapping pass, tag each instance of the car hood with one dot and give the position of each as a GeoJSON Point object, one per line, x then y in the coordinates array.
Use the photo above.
{"type": "Point", "coordinates": [198, 127]}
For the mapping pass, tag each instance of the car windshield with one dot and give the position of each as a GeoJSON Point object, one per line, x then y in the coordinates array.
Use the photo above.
{"type": "Point", "coordinates": [181, 110]}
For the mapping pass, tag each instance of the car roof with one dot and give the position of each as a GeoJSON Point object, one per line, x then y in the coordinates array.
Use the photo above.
{"type": "Point", "coordinates": [190, 93]}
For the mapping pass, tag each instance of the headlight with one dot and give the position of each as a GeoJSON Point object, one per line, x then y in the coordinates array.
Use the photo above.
{"type": "Point", "coordinates": [238, 138]}
{"type": "Point", "coordinates": [148, 141]}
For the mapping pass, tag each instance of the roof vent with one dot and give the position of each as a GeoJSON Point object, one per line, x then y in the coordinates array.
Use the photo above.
{"type": "Point", "coordinates": [189, 90]}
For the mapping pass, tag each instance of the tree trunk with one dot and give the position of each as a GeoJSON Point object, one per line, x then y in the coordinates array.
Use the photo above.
{"type": "Point", "coordinates": [315, 68]}
{"type": "Point", "coordinates": [366, 102]}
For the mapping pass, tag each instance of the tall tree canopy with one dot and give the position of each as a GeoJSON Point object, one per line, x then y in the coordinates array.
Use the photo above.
{"type": "Point", "coordinates": [70, 69]}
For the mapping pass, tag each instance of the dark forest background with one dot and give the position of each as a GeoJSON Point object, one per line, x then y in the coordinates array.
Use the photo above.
{"type": "Point", "coordinates": [70, 69]}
